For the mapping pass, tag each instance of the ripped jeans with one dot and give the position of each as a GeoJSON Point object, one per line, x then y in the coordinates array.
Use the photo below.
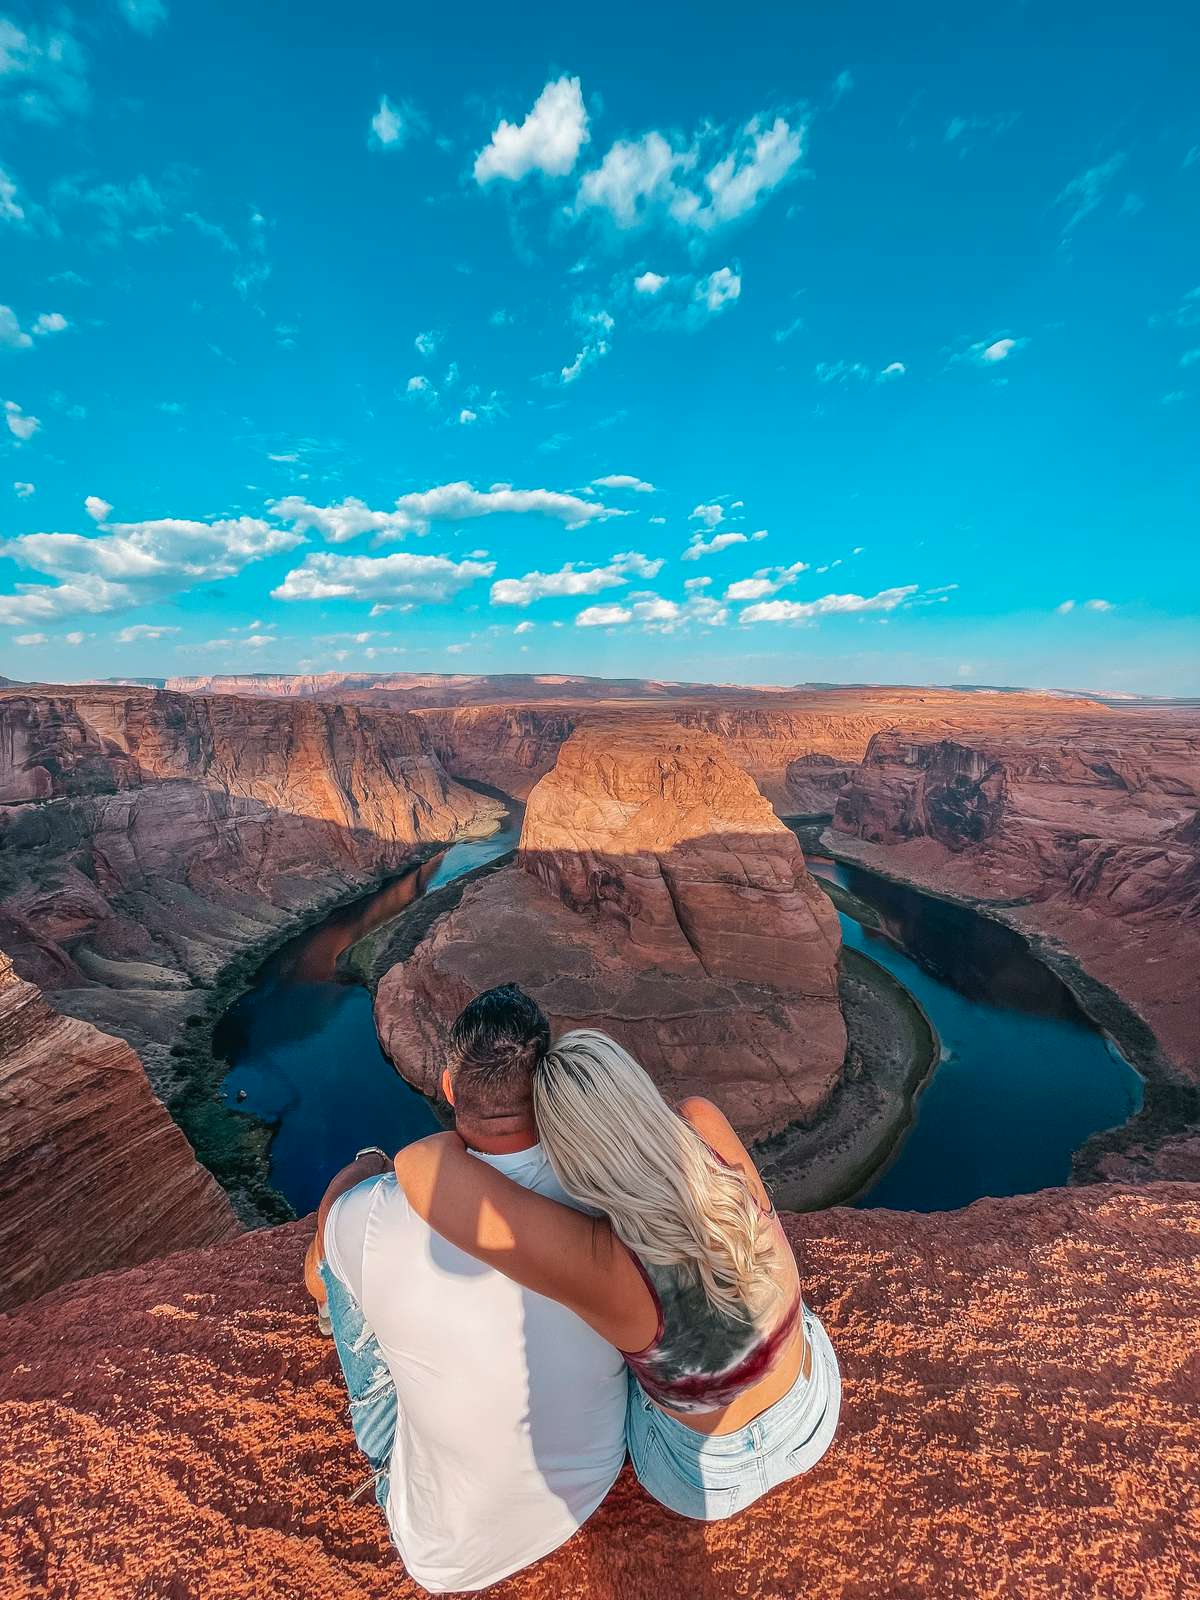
{"type": "Point", "coordinates": [372, 1392]}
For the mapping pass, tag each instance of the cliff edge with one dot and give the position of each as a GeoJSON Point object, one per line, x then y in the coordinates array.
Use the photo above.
{"type": "Point", "coordinates": [1019, 1420]}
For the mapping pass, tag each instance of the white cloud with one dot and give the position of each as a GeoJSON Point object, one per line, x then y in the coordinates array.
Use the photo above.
{"type": "Point", "coordinates": [709, 515]}
{"type": "Point", "coordinates": [23, 490]}
{"type": "Point", "coordinates": [448, 502]}
{"type": "Point", "coordinates": [144, 631]}
{"type": "Point", "coordinates": [840, 371]}
{"type": "Point", "coordinates": [12, 335]}
{"type": "Point", "coordinates": [1085, 192]}
{"type": "Point", "coordinates": [31, 638]}
{"type": "Point", "coordinates": [1066, 607]}
{"type": "Point", "coordinates": [573, 580]}
{"type": "Point", "coordinates": [989, 352]}
{"type": "Point", "coordinates": [827, 605]}
{"type": "Point", "coordinates": [10, 210]}
{"type": "Point", "coordinates": [692, 584]}
{"type": "Point", "coordinates": [596, 327]}
{"type": "Point", "coordinates": [1098, 605]}
{"type": "Point", "coordinates": [894, 369]}
{"type": "Point", "coordinates": [43, 71]}
{"type": "Point", "coordinates": [20, 424]}
{"type": "Point", "coordinates": [1000, 350]}
{"type": "Point", "coordinates": [649, 282]}
{"type": "Point", "coordinates": [132, 562]}
{"type": "Point", "coordinates": [602, 616]}
{"type": "Point", "coordinates": [549, 140]}
{"type": "Point", "coordinates": [718, 289]}
{"type": "Point", "coordinates": [419, 384]}
{"type": "Point", "coordinates": [467, 415]}
{"type": "Point", "coordinates": [769, 580]}
{"type": "Point", "coordinates": [655, 614]}
{"type": "Point", "coordinates": [426, 343]}
{"type": "Point", "coordinates": [392, 126]}
{"type": "Point", "coordinates": [842, 86]}
{"type": "Point", "coordinates": [76, 638]}
{"type": "Point", "coordinates": [50, 322]}
{"type": "Point", "coordinates": [707, 183]}
{"type": "Point", "coordinates": [96, 508]}
{"type": "Point", "coordinates": [403, 577]}
{"type": "Point", "coordinates": [143, 15]}
{"type": "Point", "coordinates": [782, 335]}
{"type": "Point", "coordinates": [524, 627]}
{"type": "Point", "coordinates": [701, 547]}
{"type": "Point", "coordinates": [623, 480]}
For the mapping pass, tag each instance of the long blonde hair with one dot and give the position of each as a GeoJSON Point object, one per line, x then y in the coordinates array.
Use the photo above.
{"type": "Point", "coordinates": [616, 1145]}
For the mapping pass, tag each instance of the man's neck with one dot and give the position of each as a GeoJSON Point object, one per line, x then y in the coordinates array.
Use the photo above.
{"type": "Point", "coordinates": [501, 1138]}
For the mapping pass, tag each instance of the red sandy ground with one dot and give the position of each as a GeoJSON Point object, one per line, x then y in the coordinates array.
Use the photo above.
{"type": "Point", "coordinates": [1021, 1418]}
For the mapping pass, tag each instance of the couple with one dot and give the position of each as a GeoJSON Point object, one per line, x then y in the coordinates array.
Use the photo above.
{"type": "Point", "coordinates": [576, 1270]}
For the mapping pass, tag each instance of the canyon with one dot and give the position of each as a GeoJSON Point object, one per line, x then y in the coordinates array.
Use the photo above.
{"type": "Point", "coordinates": [655, 895]}
{"type": "Point", "coordinates": [1018, 1420]}
{"type": "Point", "coordinates": [1018, 1375]}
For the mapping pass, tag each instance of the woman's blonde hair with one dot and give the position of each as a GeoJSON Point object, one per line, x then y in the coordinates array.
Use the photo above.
{"type": "Point", "coordinates": [616, 1145]}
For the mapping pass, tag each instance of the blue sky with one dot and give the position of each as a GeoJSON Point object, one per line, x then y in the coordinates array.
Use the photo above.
{"type": "Point", "coordinates": [852, 342]}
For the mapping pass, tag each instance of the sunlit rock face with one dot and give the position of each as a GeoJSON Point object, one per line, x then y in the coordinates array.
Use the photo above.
{"type": "Point", "coordinates": [1084, 828]}
{"type": "Point", "coordinates": [1018, 1421]}
{"type": "Point", "coordinates": [93, 1172]}
{"type": "Point", "coordinates": [656, 897]}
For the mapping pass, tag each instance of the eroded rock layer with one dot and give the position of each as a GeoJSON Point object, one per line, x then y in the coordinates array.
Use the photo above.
{"type": "Point", "coordinates": [1018, 1421]}
{"type": "Point", "coordinates": [657, 897]}
{"type": "Point", "coordinates": [150, 837]}
{"type": "Point", "coordinates": [93, 1172]}
{"type": "Point", "coordinates": [1085, 830]}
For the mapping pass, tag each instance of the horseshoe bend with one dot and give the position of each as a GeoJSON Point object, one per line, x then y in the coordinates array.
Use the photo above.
{"type": "Point", "coordinates": [158, 844]}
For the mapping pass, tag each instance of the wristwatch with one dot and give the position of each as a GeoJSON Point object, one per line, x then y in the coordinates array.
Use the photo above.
{"type": "Point", "coordinates": [371, 1150]}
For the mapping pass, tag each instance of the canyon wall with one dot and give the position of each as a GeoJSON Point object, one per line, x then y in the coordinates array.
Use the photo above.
{"type": "Point", "coordinates": [149, 837]}
{"type": "Point", "coordinates": [1018, 1420]}
{"type": "Point", "coordinates": [1085, 830]}
{"type": "Point", "coordinates": [152, 842]}
{"type": "Point", "coordinates": [93, 1172]}
{"type": "Point", "coordinates": [656, 897]}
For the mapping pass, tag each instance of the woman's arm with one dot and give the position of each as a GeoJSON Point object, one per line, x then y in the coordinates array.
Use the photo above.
{"type": "Point", "coordinates": [711, 1123]}
{"type": "Point", "coordinates": [536, 1241]}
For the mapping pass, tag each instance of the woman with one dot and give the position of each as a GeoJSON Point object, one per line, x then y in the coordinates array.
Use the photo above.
{"type": "Point", "coordinates": [734, 1384]}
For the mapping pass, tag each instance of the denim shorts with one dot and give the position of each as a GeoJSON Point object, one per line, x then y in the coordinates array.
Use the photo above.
{"type": "Point", "coordinates": [711, 1476]}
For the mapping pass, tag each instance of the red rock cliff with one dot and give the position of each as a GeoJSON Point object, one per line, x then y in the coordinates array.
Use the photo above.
{"type": "Point", "coordinates": [1018, 1421]}
{"type": "Point", "coordinates": [150, 837]}
{"type": "Point", "coordinates": [1090, 824]}
{"type": "Point", "coordinates": [93, 1172]}
{"type": "Point", "coordinates": [658, 898]}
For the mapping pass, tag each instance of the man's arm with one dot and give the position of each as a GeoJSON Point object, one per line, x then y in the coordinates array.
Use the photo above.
{"type": "Point", "coordinates": [368, 1164]}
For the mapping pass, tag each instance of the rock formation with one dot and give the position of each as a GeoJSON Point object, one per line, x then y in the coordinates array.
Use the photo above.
{"type": "Point", "coordinates": [1018, 1421]}
{"type": "Point", "coordinates": [93, 1172]}
{"type": "Point", "coordinates": [150, 837]}
{"type": "Point", "coordinates": [657, 897]}
{"type": "Point", "coordinates": [1085, 829]}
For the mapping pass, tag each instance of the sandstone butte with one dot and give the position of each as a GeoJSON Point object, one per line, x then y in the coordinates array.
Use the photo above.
{"type": "Point", "coordinates": [1085, 830]}
{"type": "Point", "coordinates": [146, 841]}
{"type": "Point", "coordinates": [656, 896]}
{"type": "Point", "coordinates": [1019, 1422]}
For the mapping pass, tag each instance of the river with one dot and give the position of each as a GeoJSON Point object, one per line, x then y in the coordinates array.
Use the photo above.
{"type": "Point", "coordinates": [1025, 1078]}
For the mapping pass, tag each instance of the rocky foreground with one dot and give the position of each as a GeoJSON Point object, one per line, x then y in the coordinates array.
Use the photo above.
{"type": "Point", "coordinates": [657, 896]}
{"type": "Point", "coordinates": [1019, 1421]}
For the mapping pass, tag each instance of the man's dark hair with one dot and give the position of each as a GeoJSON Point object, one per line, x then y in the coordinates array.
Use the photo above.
{"type": "Point", "coordinates": [495, 1045]}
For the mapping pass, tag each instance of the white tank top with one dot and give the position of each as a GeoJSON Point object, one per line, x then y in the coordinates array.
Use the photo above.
{"type": "Point", "coordinates": [511, 1411]}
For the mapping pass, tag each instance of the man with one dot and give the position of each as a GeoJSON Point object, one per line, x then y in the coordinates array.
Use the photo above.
{"type": "Point", "coordinates": [495, 1418]}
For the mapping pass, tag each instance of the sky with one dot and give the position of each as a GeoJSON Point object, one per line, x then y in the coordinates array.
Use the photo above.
{"type": "Point", "coordinates": [795, 343]}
